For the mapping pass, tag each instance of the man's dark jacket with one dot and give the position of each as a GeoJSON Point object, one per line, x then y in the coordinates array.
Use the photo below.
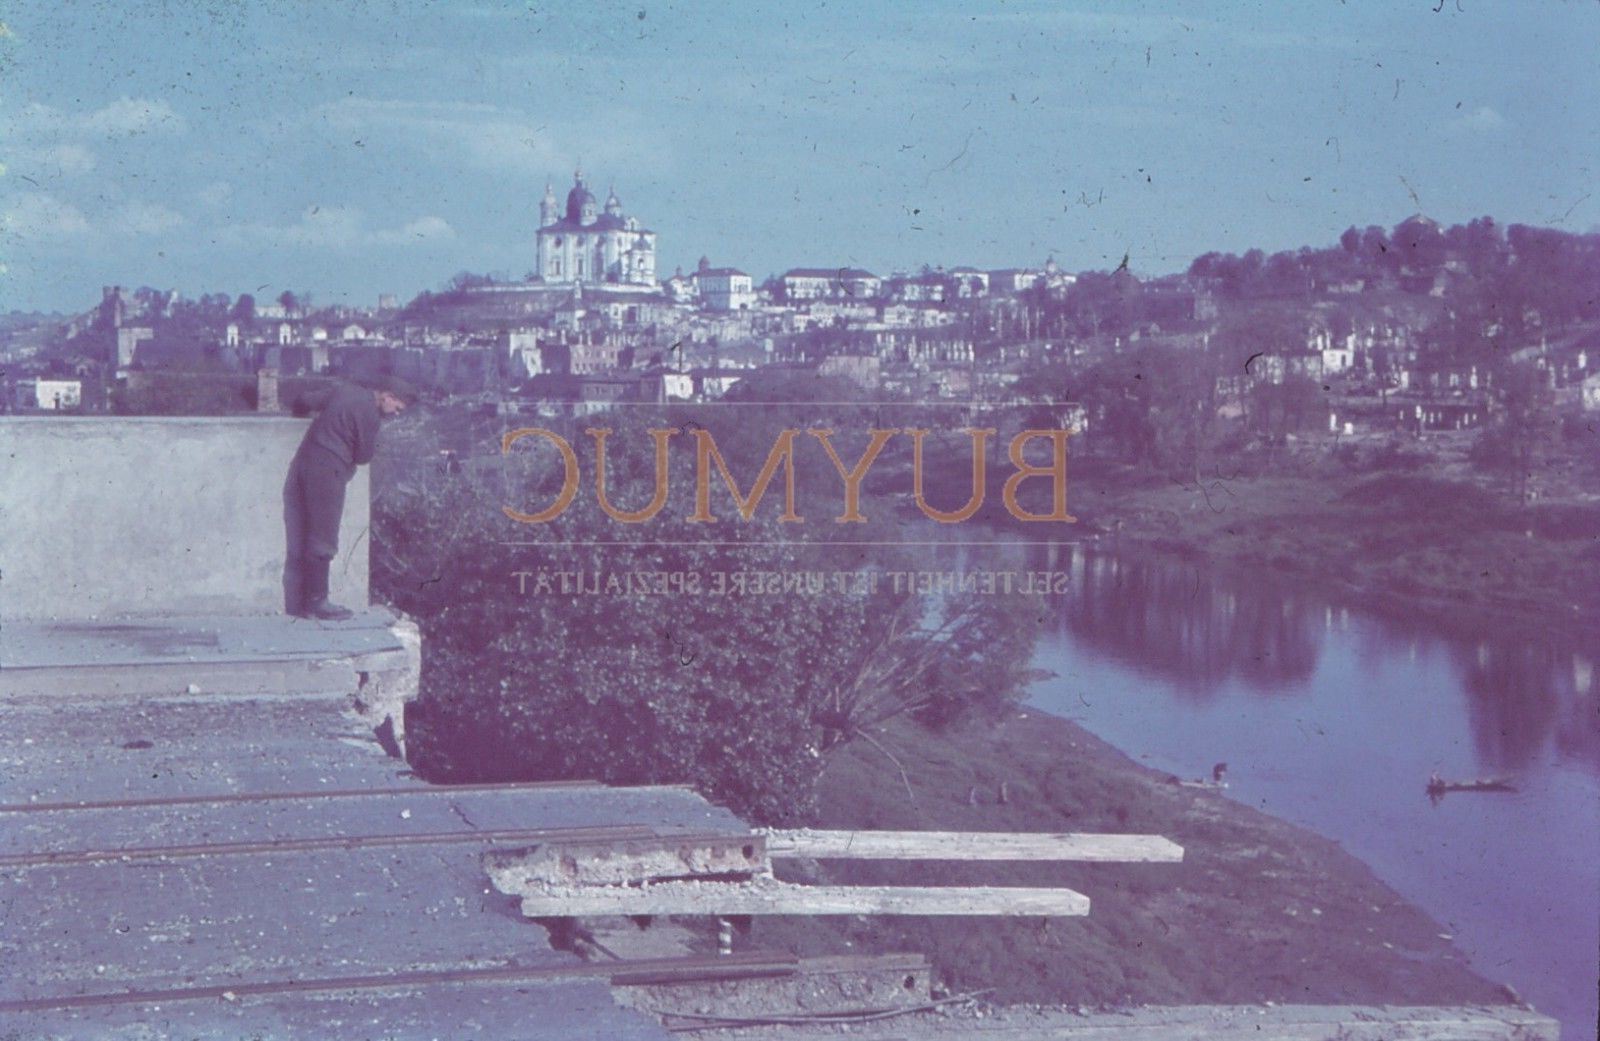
{"type": "Point", "coordinates": [347, 426]}
{"type": "Point", "coordinates": [342, 437]}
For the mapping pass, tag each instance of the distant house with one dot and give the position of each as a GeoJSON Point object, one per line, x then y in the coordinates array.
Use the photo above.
{"type": "Point", "coordinates": [1013, 280]}
{"type": "Point", "coordinates": [816, 283]}
{"type": "Point", "coordinates": [1443, 414]}
{"type": "Point", "coordinates": [1338, 355]}
{"type": "Point", "coordinates": [129, 337]}
{"type": "Point", "coordinates": [714, 383]}
{"type": "Point", "coordinates": [521, 352]}
{"type": "Point", "coordinates": [724, 288]}
{"type": "Point", "coordinates": [1276, 368]}
{"type": "Point", "coordinates": [592, 357]}
{"type": "Point", "coordinates": [861, 369]}
{"type": "Point", "coordinates": [680, 288]}
{"type": "Point", "coordinates": [1591, 393]}
{"type": "Point", "coordinates": [595, 393]}
{"type": "Point", "coordinates": [57, 395]}
{"type": "Point", "coordinates": [933, 287]}
{"type": "Point", "coordinates": [969, 282]}
{"type": "Point", "coordinates": [677, 386]}
{"type": "Point", "coordinates": [906, 316]}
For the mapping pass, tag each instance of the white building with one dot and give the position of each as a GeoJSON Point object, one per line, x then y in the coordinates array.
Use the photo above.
{"type": "Point", "coordinates": [677, 386]}
{"type": "Point", "coordinates": [821, 283]}
{"type": "Point", "coordinates": [523, 352]}
{"type": "Point", "coordinates": [724, 288]}
{"type": "Point", "coordinates": [970, 282]}
{"type": "Point", "coordinates": [1337, 356]}
{"type": "Point", "coordinates": [56, 395]}
{"type": "Point", "coordinates": [585, 245]}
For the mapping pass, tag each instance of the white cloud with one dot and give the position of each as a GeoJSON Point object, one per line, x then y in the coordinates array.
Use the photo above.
{"type": "Point", "coordinates": [343, 228]}
{"type": "Point", "coordinates": [38, 215]}
{"type": "Point", "coordinates": [492, 138]}
{"type": "Point", "coordinates": [1481, 120]}
{"type": "Point", "coordinates": [42, 216]}
{"type": "Point", "coordinates": [337, 227]}
{"type": "Point", "coordinates": [128, 116]}
{"type": "Point", "coordinates": [124, 117]}
{"type": "Point", "coordinates": [215, 194]}
{"type": "Point", "coordinates": [145, 218]}
{"type": "Point", "coordinates": [55, 161]}
{"type": "Point", "coordinates": [419, 230]}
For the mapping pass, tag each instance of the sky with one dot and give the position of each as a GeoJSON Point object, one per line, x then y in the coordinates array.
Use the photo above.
{"type": "Point", "coordinates": [352, 149]}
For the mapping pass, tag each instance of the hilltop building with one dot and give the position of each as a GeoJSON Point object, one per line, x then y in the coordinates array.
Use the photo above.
{"type": "Point", "coordinates": [724, 288]}
{"type": "Point", "coordinates": [584, 243]}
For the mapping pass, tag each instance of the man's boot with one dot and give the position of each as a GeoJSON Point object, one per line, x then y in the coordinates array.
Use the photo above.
{"type": "Point", "coordinates": [314, 593]}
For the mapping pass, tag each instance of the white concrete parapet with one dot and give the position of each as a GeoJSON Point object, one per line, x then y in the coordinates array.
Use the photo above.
{"type": "Point", "coordinates": [140, 516]}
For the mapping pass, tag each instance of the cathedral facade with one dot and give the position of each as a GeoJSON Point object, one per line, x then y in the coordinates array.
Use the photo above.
{"type": "Point", "coordinates": [584, 243]}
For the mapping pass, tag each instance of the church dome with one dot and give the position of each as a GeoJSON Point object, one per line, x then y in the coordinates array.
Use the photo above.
{"type": "Point", "coordinates": [579, 199]}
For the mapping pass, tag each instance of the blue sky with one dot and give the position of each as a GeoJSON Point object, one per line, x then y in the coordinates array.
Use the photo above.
{"type": "Point", "coordinates": [358, 148]}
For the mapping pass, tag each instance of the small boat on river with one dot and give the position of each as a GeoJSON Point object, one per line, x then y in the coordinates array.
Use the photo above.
{"type": "Point", "coordinates": [1438, 786]}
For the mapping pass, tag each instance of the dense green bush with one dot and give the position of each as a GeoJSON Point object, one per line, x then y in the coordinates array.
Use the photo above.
{"type": "Point", "coordinates": [742, 696]}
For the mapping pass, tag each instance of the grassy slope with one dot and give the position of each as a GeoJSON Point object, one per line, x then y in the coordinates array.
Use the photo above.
{"type": "Point", "coordinates": [1259, 910]}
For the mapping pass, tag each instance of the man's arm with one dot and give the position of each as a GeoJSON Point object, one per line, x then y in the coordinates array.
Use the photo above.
{"type": "Point", "coordinates": [364, 425]}
{"type": "Point", "coordinates": [313, 400]}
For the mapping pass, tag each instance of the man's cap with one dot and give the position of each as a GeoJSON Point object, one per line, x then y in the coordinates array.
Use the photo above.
{"type": "Point", "coordinates": [398, 387]}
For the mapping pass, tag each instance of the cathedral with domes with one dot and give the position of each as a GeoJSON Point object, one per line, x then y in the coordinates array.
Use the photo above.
{"type": "Point", "coordinates": [586, 244]}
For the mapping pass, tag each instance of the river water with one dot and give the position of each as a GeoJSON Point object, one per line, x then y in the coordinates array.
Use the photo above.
{"type": "Point", "coordinates": [1334, 718]}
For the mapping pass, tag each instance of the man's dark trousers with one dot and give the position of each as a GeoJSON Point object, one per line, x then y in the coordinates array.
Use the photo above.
{"type": "Point", "coordinates": [313, 503]}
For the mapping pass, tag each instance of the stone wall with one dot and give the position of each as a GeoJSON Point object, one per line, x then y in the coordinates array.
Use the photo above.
{"type": "Point", "coordinates": [146, 516]}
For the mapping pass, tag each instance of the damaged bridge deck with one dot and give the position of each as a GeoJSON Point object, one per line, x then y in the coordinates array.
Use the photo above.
{"type": "Point", "coordinates": [245, 861]}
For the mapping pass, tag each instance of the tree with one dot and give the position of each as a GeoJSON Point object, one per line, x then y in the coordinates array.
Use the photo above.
{"type": "Point", "coordinates": [152, 303]}
{"type": "Point", "coordinates": [1284, 276]}
{"type": "Point", "coordinates": [244, 309]}
{"type": "Point", "coordinates": [1098, 302]}
{"type": "Point", "coordinates": [288, 301]}
{"type": "Point", "coordinates": [1525, 436]}
{"type": "Point", "coordinates": [464, 280]}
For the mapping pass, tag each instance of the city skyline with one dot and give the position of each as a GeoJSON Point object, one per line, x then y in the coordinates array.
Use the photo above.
{"type": "Point", "coordinates": [384, 147]}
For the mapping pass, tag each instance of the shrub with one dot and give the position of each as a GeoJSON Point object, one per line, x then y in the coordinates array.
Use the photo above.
{"type": "Point", "coordinates": [742, 696]}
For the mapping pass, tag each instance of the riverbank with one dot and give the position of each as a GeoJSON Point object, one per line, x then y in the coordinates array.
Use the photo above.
{"type": "Point", "coordinates": [1259, 910]}
{"type": "Point", "coordinates": [1402, 544]}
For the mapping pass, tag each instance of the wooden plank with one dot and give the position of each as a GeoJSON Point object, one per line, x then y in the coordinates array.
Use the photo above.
{"type": "Point", "coordinates": [973, 845]}
{"type": "Point", "coordinates": [770, 897]}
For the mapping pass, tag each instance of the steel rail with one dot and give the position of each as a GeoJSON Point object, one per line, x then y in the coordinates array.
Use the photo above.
{"type": "Point", "coordinates": [484, 836]}
{"type": "Point", "coordinates": [656, 970]}
{"type": "Point", "coordinates": [255, 797]}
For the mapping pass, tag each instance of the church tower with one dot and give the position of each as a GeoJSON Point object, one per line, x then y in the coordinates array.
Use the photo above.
{"type": "Point", "coordinates": [581, 208]}
{"type": "Point", "coordinates": [549, 213]}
